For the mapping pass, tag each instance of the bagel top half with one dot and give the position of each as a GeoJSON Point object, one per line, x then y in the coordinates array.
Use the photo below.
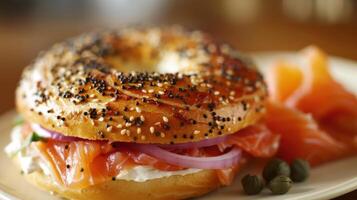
{"type": "Point", "coordinates": [149, 85]}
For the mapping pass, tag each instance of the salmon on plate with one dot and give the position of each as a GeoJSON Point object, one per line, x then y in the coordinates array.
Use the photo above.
{"type": "Point", "coordinates": [314, 114]}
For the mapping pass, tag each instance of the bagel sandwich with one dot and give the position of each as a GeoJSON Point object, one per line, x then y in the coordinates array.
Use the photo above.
{"type": "Point", "coordinates": [139, 113]}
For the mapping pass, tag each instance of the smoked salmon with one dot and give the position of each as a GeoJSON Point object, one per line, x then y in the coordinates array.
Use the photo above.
{"type": "Point", "coordinates": [79, 164]}
{"type": "Point", "coordinates": [301, 136]}
{"type": "Point", "coordinates": [322, 96]}
{"type": "Point", "coordinates": [310, 88]}
{"type": "Point", "coordinates": [256, 140]}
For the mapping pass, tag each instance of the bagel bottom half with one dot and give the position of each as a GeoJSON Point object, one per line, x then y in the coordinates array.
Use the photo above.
{"type": "Point", "coordinates": [173, 187]}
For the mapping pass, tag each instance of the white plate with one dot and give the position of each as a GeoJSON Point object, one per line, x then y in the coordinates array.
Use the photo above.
{"type": "Point", "coordinates": [327, 181]}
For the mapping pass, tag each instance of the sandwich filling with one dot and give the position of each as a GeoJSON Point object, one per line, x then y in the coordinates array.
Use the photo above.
{"type": "Point", "coordinates": [30, 161]}
{"type": "Point", "coordinates": [79, 163]}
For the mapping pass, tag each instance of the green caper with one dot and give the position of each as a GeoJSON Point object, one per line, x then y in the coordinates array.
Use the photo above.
{"type": "Point", "coordinates": [299, 170]}
{"type": "Point", "coordinates": [274, 168]}
{"type": "Point", "coordinates": [252, 184]}
{"type": "Point", "coordinates": [280, 184]}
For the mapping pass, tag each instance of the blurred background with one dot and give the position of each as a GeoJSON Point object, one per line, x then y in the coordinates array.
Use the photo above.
{"type": "Point", "coordinates": [29, 26]}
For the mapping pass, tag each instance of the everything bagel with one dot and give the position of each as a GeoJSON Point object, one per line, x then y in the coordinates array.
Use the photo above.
{"type": "Point", "coordinates": [140, 113]}
{"type": "Point", "coordinates": [154, 85]}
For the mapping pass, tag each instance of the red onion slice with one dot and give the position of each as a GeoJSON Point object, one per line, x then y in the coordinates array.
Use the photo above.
{"type": "Point", "coordinates": [52, 134]}
{"type": "Point", "coordinates": [224, 161]}
{"type": "Point", "coordinates": [199, 144]}
{"type": "Point", "coordinates": [58, 136]}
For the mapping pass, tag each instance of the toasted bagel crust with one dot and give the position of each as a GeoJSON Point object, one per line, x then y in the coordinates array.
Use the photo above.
{"type": "Point", "coordinates": [82, 87]}
{"type": "Point", "coordinates": [173, 187]}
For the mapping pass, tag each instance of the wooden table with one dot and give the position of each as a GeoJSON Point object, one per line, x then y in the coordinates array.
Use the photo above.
{"type": "Point", "coordinates": [270, 28]}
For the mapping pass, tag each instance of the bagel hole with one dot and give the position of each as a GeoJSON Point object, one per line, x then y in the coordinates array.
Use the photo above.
{"type": "Point", "coordinates": [170, 62]}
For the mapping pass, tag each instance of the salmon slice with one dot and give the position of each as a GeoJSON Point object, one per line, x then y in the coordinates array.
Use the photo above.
{"type": "Point", "coordinates": [256, 140]}
{"type": "Point", "coordinates": [312, 89]}
{"type": "Point", "coordinates": [301, 136]}
{"type": "Point", "coordinates": [342, 136]}
{"type": "Point", "coordinates": [226, 176]}
{"type": "Point", "coordinates": [79, 164]}
{"type": "Point", "coordinates": [320, 94]}
{"type": "Point", "coordinates": [144, 159]}
{"type": "Point", "coordinates": [282, 80]}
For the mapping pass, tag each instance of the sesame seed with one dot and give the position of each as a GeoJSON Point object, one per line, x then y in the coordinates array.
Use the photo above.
{"type": "Point", "coordinates": [165, 119]}
{"type": "Point", "coordinates": [196, 132]}
{"type": "Point", "coordinates": [127, 132]}
{"type": "Point", "coordinates": [143, 137]}
{"type": "Point", "coordinates": [142, 118]}
{"type": "Point", "coordinates": [101, 119]}
{"type": "Point", "coordinates": [120, 126]}
{"type": "Point", "coordinates": [152, 129]}
{"type": "Point", "coordinates": [123, 131]}
{"type": "Point", "coordinates": [138, 130]}
{"type": "Point", "coordinates": [138, 109]}
{"type": "Point", "coordinates": [110, 128]}
{"type": "Point", "coordinates": [162, 134]}
{"type": "Point", "coordinates": [128, 124]}
{"type": "Point", "coordinates": [131, 118]}
{"type": "Point", "coordinates": [216, 93]}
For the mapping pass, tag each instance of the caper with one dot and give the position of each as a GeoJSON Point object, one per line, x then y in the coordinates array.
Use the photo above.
{"type": "Point", "coordinates": [280, 184]}
{"type": "Point", "coordinates": [274, 168]}
{"type": "Point", "coordinates": [252, 184]}
{"type": "Point", "coordinates": [299, 170]}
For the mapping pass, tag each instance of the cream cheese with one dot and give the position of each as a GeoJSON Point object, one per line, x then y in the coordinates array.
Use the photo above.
{"type": "Point", "coordinates": [16, 141]}
{"type": "Point", "coordinates": [28, 158]}
{"type": "Point", "coordinates": [30, 161]}
{"type": "Point", "coordinates": [144, 173]}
